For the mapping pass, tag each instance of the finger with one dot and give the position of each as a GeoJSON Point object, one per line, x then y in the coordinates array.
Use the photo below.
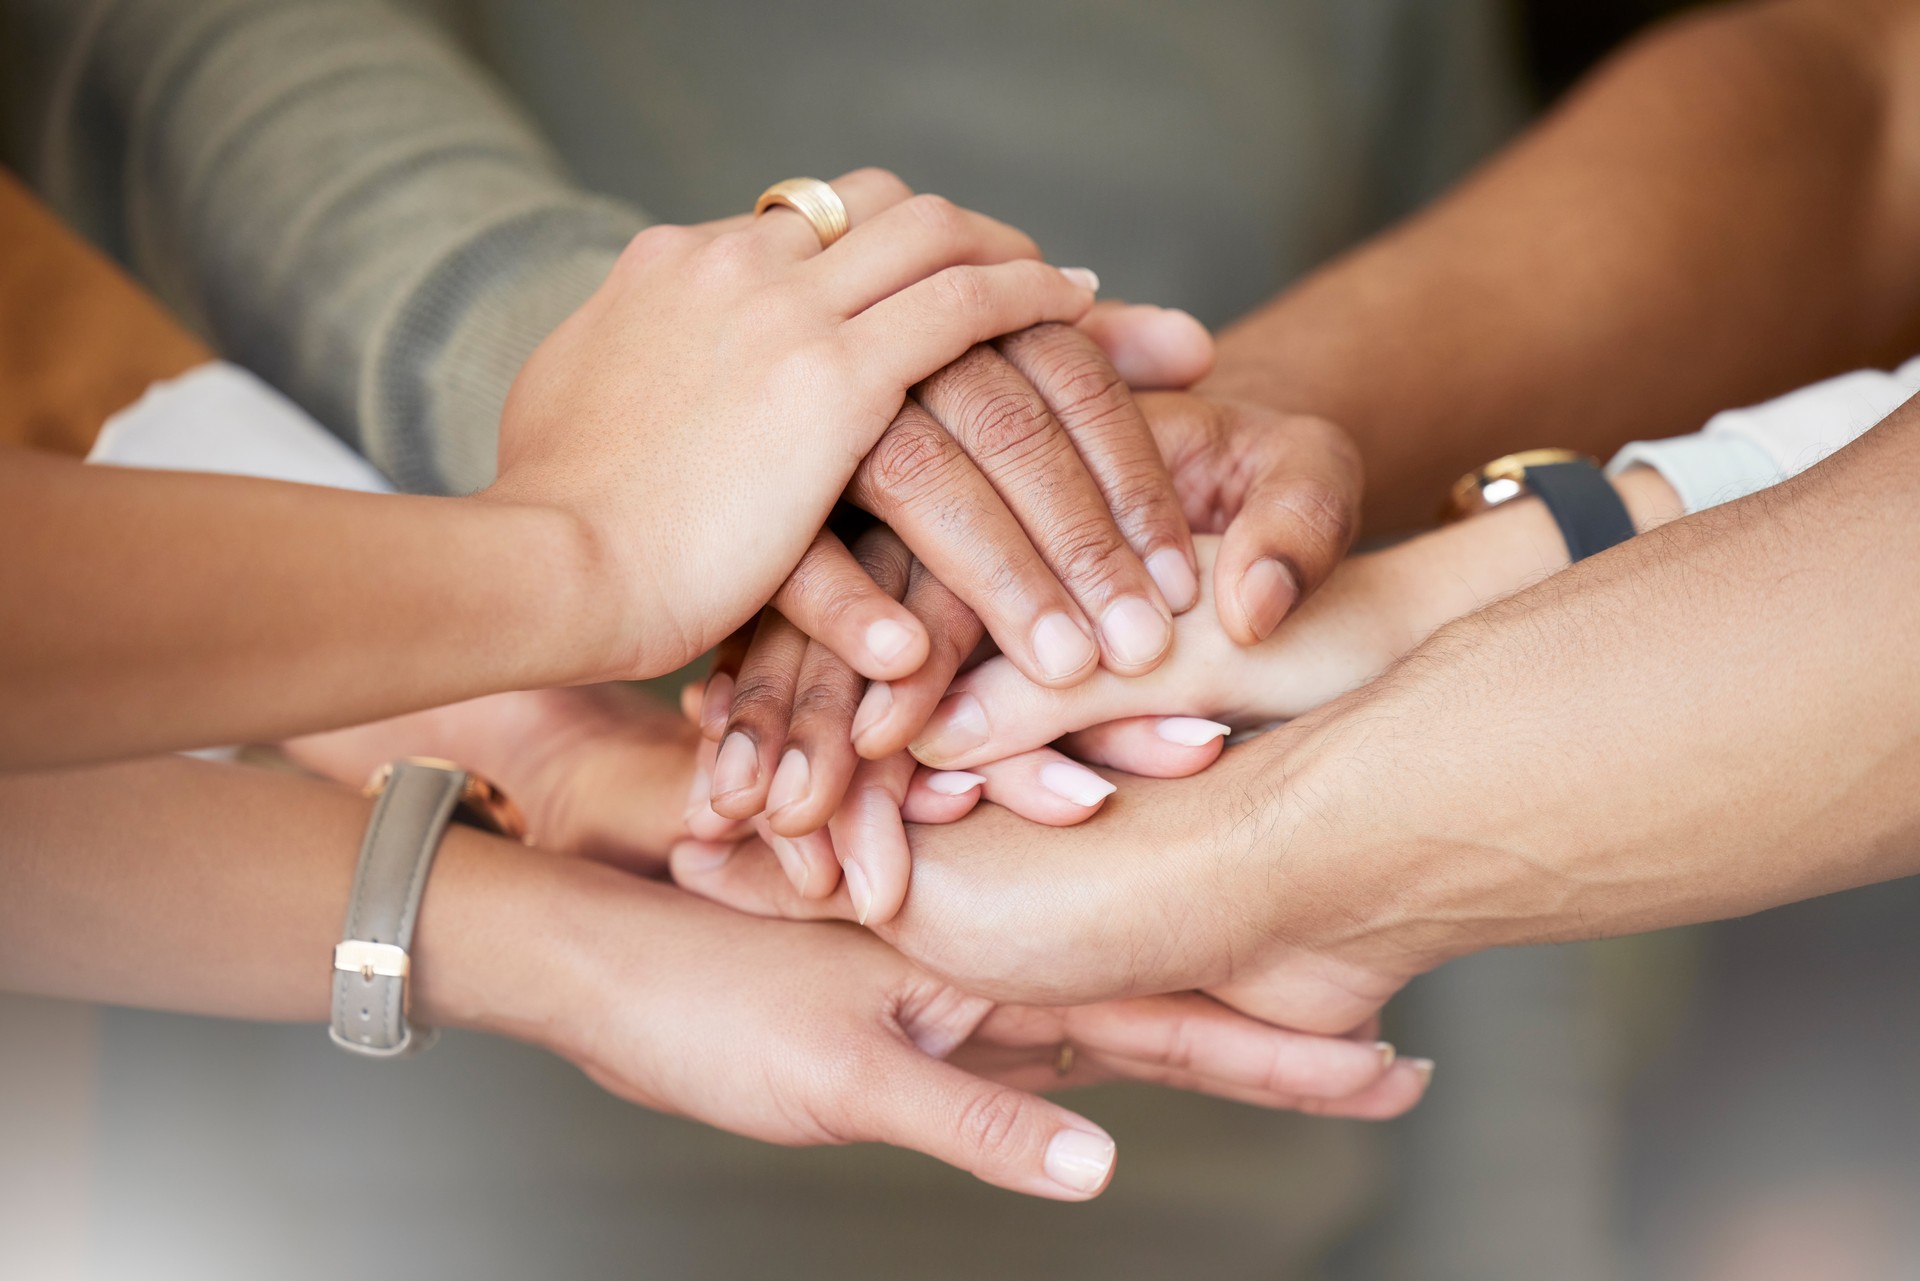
{"type": "Point", "coordinates": [1004, 422]}
{"type": "Point", "coordinates": [1151, 346]}
{"type": "Point", "coordinates": [942, 796]}
{"type": "Point", "coordinates": [692, 695]}
{"type": "Point", "coordinates": [871, 840]}
{"type": "Point", "coordinates": [820, 758]}
{"type": "Point", "coordinates": [1403, 1086]}
{"type": "Point", "coordinates": [865, 193]}
{"type": "Point", "coordinates": [1045, 787]}
{"type": "Point", "coordinates": [1092, 403]}
{"type": "Point", "coordinates": [905, 337]}
{"type": "Point", "coordinates": [716, 703]}
{"type": "Point", "coordinates": [1150, 746]}
{"type": "Point", "coordinates": [832, 599]}
{"type": "Point", "coordinates": [995, 712]}
{"type": "Point", "coordinates": [757, 725]}
{"type": "Point", "coordinates": [907, 243]}
{"type": "Point", "coordinates": [808, 861]}
{"type": "Point", "coordinates": [702, 822]}
{"type": "Point", "coordinates": [920, 482]}
{"type": "Point", "coordinates": [747, 877]}
{"type": "Point", "coordinates": [892, 712]}
{"type": "Point", "coordinates": [1003, 1136]}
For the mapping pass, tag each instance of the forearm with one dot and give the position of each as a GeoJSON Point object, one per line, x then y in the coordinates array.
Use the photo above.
{"type": "Point", "coordinates": [1724, 212]}
{"type": "Point", "coordinates": [1716, 718]}
{"type": "Point", "coordinates": [332, 193]}
{"type": "Point", "coordinates": [220, 890]}
{"type": "Point", "coordinates": [158, 611]}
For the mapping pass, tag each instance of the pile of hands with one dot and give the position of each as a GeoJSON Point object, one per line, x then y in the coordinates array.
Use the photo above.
{"type": "Point", "coordinates": [956, 534]}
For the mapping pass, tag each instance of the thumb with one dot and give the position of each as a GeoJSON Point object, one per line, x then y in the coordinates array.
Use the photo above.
{"type": "Point", "coordinates": [1000, 1135]}
{"type": "Point", "coordinates": [1151, 347]}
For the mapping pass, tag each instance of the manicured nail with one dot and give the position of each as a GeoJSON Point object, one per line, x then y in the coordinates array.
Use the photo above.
{"type": "Point", "coordinates": [1060, 648]}
{"type": "Point", "coordinates": [887, 640]}
{"type": "Point", "coordinates": [958, 725]}
{"type": "Point", "coordinates": [874, 706]}
{"type": "Point", "coordinates": [1267, 592]}
{"type": "Point", "coordinates": [1386, 1052]}
{"type": "Point", "coordinates": [701, 857]}
{"type": "Point", "coordinates": [953, 782]}
{"type": "Point", "coordinates": [789, 781]}
{"type": "Point", "coordinates": [1424, 1067]}
{"type": "Point", "coordinates": [1075, 783]}
{"type": "Point", "coordinates": [1174, 577]}
{"type": "Point", "coordinates": [1191, 731]}
{"type": "Point", "coordinates": [857, 889]}
{"type": "Point", "coordinates": [1082, 277]}
{"type": "Point", "coordinates": [736, 766]}
{"type": "Point", "coordinates": [1135, 631]}
{"type": "Point", "coordinates": [1079, 1161]}
{"type": "Point", "coordinates": [718, 701]}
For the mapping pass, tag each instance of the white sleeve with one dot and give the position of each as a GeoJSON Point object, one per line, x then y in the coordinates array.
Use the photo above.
{"type": "Point", "coordinates": [1741, 451]}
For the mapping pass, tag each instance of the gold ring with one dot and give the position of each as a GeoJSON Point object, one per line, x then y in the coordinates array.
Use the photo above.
{"type": "Point", "coordinates": [1063, 1059]}
{"type": "Point", "coordinates": [813, 200]}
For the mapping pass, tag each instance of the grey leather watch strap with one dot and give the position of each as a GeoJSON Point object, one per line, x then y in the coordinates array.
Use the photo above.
{"type": "Point", "coordinates": [371, 964]}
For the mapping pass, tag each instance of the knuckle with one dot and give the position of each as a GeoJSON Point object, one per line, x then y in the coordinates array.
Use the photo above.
{"type": "Point", "coordinates": [963, 291]}
{"type": "Point", "coordinates": [885, 184]}
{"type": "Point", "coordinates": [936, 214]}
{"type": "Point", "coordinates": [886, 559]}
{"type": "Point", "coordinates": [990, 1123]}
{"type": "Point", "coordinates": [762, 700]}
{"type": "Point", "coordinates": [1002, 421]}
{"type": "Point", "coordinates": [1323, 514]}
{"type": "Point", "coordinates": [662, 240]}
{"type": "Point", "coordinates": [730, 258]}
{"type": "Point", "coordinates": [909, 461]}
{"type": "Point", "coordinates": [830, 698]}
{"type": "Point", "coordinates": [1088, 552]}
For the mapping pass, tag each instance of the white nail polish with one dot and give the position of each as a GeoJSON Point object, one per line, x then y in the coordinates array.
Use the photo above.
{"type": "Point", "coordinates": [1075, 783]}
{"type": "Point", "coordinates": [887, 640]}
{"type": "Point", "coordinates": [953, 782]}
{"type": "Point", "coordinates": [1191, 731]}
{"type": "Point", "coordinates": [1080, 1161]}
{"type": "Point", "coordinates": [1083, 277]}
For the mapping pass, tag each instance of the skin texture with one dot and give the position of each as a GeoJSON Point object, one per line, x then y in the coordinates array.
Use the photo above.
{"type": "Point", "coordinates": [141, 884]}
{"type": "Point", "coordinates": [1726, 211]}
{"type": "Point", "coordinates": [1766, 749]}
{"type": "Point", "coordinates": [607, 549]}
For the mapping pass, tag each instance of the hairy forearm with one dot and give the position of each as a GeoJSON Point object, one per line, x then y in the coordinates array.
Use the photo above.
{"type": "Point", "coordinates": [1726, 211]}
{"type": "Point", "coordinates": [156, 611]}
{"type": "Point", "coordinates": [1722, 716]}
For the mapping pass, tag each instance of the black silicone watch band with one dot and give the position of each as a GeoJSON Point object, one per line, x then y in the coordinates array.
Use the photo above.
{"type": "Point", "coordinates": [1584, 504]}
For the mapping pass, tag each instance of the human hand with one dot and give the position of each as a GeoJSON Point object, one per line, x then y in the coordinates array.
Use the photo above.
{"type": "Point", "coordinates": [812, 1034]}
{"type": "Point", "coordinates": [599, 771]}
{"type": "Point", "coordinates": [702, 412]}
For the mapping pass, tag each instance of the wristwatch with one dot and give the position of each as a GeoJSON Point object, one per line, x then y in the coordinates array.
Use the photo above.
{"type": "Point", "coordinates": [418, 797]}
{"type": "Point", "coordinates": [1579, 497]}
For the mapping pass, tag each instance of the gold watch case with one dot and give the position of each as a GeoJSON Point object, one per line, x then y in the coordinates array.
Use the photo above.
{"type": "Point", "coordinates": [1500, 481]}
{"type": "Point", "coordinates": [482, 805]}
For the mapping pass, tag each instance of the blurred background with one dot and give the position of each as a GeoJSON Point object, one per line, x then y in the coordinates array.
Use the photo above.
{"type": "Point", "coordinates": [1727, 1102]}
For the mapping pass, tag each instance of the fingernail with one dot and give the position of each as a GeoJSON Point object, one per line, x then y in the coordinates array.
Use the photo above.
{"type": "Point", "coordinates": [958, 725]}
{"type": "Point", "coordinates": [701, 857]}
{"type": "Point", "coordinates": [1075, 783]}
{"type": "Point", "coordinates": [1059, 647]}
{"type": "Point", "coordinates": [1191, 731]}
{"type": "Point", "coordinates": [718, 701]}
{"type": "Point", "coordinates": [1386, 1052]}
{"type": "Point", "coordinates": [1082, 277]}
{"type": "Point", "coordinates": [1136, 632]}
{"type": "Point", "coordinates": [733, 771]}
{"type": "Point", "coordinates": [700, 793]}
{"type": "Point", "coordinates": [1174, 577]}
{"type": "Point", "coordinates": [874, 707]}
{"type": "Point", "coordinates": [1079, 1161]}
{"type": "Point", "coordinates": [790, 858]}
{"type": "Point", "coordinates": [1267, 592]}
{"type": "Point", "coordinates": [789, 781]}
{"type": "Point", "coordinates": [953, 782]}
{"type": "Point", "coordinates": [857, 889]}
{"type": "Point", "coordinates": [1424, 1067]}
{"type": "Point", "coordinates": [887, 640]}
